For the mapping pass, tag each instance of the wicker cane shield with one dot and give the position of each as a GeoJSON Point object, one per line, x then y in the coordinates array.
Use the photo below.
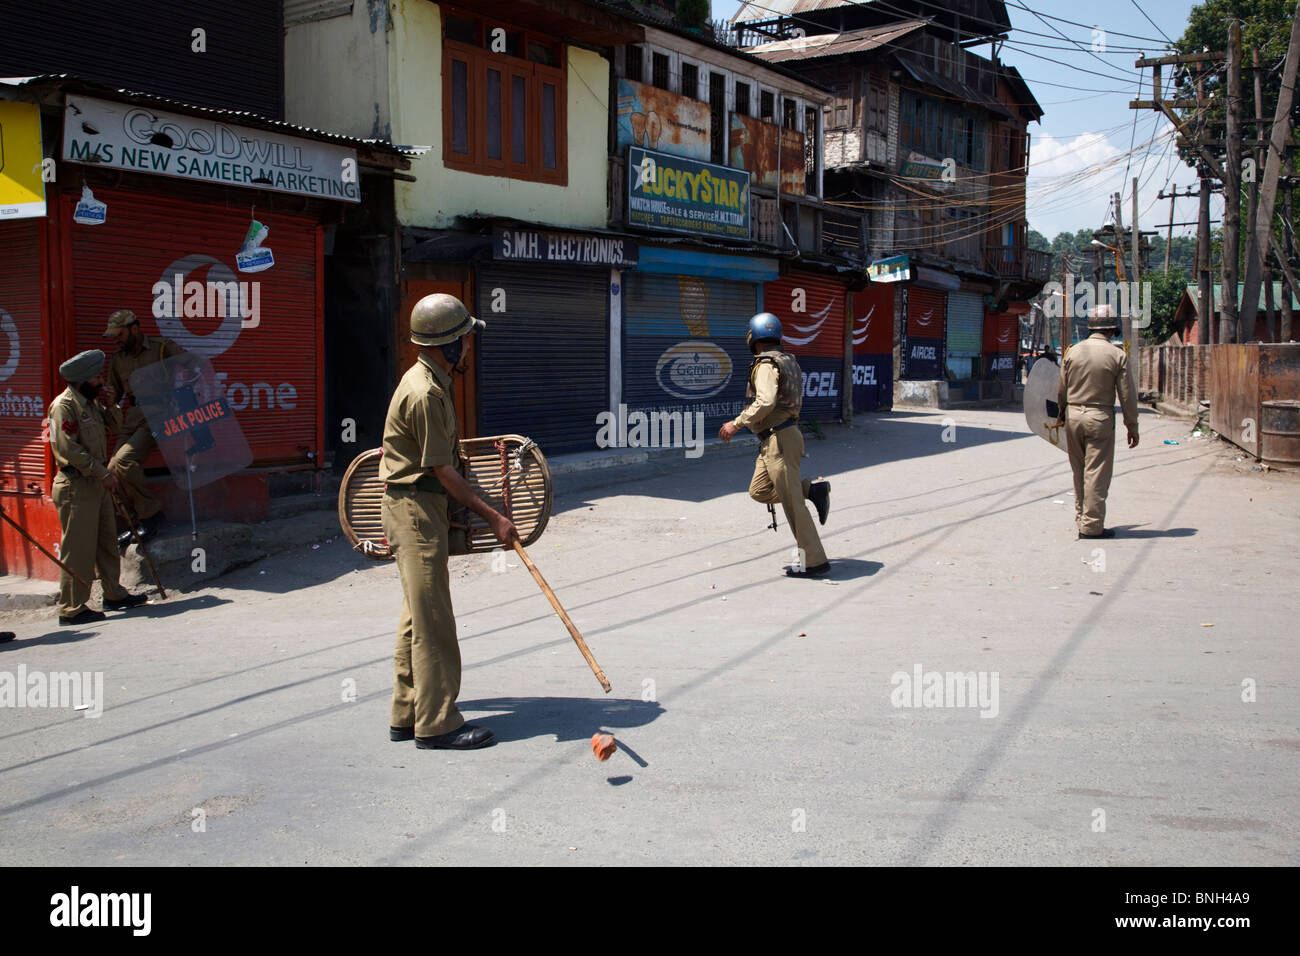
{"type": "Point", "coordinates": [509, 472]}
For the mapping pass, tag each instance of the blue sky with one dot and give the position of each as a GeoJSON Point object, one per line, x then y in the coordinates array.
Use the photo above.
{"type": "Point", "coordinates": [1077, 154]}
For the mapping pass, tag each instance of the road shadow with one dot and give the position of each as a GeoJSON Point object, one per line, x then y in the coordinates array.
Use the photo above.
{"type": "Point", "coordinates": [847, 569]}
{"type": "Point", "coordinates": [1136, 531]}
{"type": "Point", "coordinates": [173, 606]}
{"type": "Point", "coordinates": [53, 637]}
{"type": "Point", "coordinates": [566, 718]}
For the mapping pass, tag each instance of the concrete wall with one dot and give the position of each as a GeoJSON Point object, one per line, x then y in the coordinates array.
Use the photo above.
{"type": "Point", "coordinates": [336, 72]}
{"type": "Point", "coordinates": [441, 194]}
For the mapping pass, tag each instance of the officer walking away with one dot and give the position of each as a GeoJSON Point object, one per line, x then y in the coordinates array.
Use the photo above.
{"type": "Point", "coordinates": [776, 390]}
{"type": "Point", "coordinates": [1093, 372]}
{"type": "Point", "coordinates": [134, 350]}
{"type": "Point", "coordinates": [80, 420]}
{"type": "Point", "coordinates": [420, 468]}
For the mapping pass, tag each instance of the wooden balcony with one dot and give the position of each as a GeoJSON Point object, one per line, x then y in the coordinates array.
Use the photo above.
{"type": "Point", "coordinates": [1018, 262]}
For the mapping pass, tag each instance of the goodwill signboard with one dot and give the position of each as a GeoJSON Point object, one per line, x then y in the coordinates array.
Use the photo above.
{"type": "Point", "coordinates": [673, 194]}
{"type": "Point", "coordinates": [123, 136]}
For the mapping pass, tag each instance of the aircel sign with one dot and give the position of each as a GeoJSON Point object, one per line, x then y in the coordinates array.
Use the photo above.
{"type": "Point", "coordinates": [120, 136]}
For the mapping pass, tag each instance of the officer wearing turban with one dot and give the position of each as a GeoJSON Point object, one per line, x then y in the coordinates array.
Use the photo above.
{"type": "Point", "coordinates": [83, 490]}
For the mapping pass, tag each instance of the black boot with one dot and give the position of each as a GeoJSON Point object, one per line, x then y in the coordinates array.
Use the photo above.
{"type": "Point", "coordinates": [819, 493]}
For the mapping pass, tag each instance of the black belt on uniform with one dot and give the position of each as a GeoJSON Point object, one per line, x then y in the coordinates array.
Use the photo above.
{"type": "Point", "coordinates": [426, 482]}
{"type": "Point", "coordinates": [767, 432]}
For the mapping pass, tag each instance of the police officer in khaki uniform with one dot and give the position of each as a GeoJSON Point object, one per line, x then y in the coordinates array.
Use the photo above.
{"type": "Point", "coordinates": [776, 387]}
{"type": "Point", "coordinates": [134, 350]}
{"type": "Point", "coordinates": [420, 469]}
{"type": "Point", "coordinates": [80, 420]}
{"type": "Point", "coordinates": [1093, 372]}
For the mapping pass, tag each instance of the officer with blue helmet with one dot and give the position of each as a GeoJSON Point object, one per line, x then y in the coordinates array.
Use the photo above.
{"type": "Point", "coordinates": [776, 396]}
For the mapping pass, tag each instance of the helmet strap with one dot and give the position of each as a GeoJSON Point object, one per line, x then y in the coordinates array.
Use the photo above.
{"type": "Point", "coordinates": [453, 351]}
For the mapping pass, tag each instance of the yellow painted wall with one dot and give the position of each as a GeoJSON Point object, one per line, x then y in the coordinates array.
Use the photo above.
{"type": "Point", "coordinates": [441, 194]}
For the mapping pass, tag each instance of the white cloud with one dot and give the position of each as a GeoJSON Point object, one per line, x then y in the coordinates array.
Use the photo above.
{"type": "Point", "coordinates": [1062, 195]}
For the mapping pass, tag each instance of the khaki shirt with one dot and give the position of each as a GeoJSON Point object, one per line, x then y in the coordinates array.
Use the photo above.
{"type": "Point", "coordinates": [79, 432]}
{"type": "Point", "coordinates": [1093, 371]}
{"type": "Point", "coordinates": [123, 364]}
{"type": "Point", "coordinates": [420, 432]}
{"type": "Point", "coordinates": [769, 408]}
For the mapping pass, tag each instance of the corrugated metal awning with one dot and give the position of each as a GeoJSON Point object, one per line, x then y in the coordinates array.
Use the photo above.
{"type": "Point", "coordinates": [834, 44]}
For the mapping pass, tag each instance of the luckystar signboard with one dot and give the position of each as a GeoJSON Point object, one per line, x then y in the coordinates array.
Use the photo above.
{"type": "Point", "coordinates": [674, 194]}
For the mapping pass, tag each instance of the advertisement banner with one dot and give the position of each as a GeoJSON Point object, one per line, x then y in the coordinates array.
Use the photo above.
{"type": "Point", "coordinates": [22, 183]}
{"type": "Point", "coordinates": [893, 269]}
{"type": "Point", "coordinates": [122, 136]}
{"type": "Point", "coordinates": [662, 121]}
{"type": "Point", "coordinates": [754, 147]}
{"type": "Point", "coordinates": [568, 248]}
{"type": "Point", "coordinates": [923, 359]}
{"type": "Point", "coordinates": [672, 194]}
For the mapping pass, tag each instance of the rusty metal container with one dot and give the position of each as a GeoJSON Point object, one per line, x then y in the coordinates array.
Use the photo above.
{"type": "Point", "coordinates": [1279, 431]}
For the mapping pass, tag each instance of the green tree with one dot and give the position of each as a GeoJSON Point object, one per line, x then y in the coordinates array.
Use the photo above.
{"type": "Point", "coordinates": [1166, 293]}
{"type": "Point", "coordinates": [692, 14]}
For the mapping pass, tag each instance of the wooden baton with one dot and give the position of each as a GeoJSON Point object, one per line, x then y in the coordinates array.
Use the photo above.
{"type": "Point", "coordinates": [555, 603]}
{"type": "Point", "coordinates": [23, 531]}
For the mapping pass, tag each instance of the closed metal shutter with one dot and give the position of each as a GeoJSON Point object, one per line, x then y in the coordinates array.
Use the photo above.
{"type": "Point", "coordinates": [272, 371]}
{"type": "Point", "coordinates": [25, 393]}
{"type": "Point", "coordinates": [923, 351]}
{"type": "Point", "coordinates": [965, 333]}
{"type": "Point", "coordinates": [814, 335]}
{"type": "Point", "coordinates": [873, 347]}
{"type": "Point", "coordinates": [543, 362]}
{"type": "Point", "coordinates": [684, 345]}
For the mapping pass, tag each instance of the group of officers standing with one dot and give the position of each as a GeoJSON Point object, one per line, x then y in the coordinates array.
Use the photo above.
{"type": "Point", "coordinates": [421, 471]}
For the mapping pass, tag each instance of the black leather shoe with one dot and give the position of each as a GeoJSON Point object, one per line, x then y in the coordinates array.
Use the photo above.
{"type": "Point", "coordinates": [85, 617]}
{"type": "Point", "coordinates": [7, 636]}
{"type": "Point", "coordinates": [1106, 533]}
{"type": "Point", "coordinates": [814, 572]}
{"type": "Point", "coordinates": [467, 737]}
{"type": "Point", "coordinates": [819, 493]}
{"type": "Point", "coordinates": [128, 602]}
{"type": "Point", "coordinates": [401, 733]}
{"type": "Point", "coordinates": [124, 539]}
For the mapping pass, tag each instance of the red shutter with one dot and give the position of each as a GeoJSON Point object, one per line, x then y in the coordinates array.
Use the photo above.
{"type": "Point", "coordinates": [926, 309]}
{"type": "Point", "coordinates": [25, 393]}
{"type": "Point", "coordinates": [873, 319]}
{"type": "Point", "coordinates": [818, 327]}
{"type": "Point", "coordinates": [272, 370]}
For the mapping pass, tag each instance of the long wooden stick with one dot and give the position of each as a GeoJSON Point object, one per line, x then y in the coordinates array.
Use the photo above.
{"type": "Point", "coordinates": [23, 531]}
{"type": "Point", "coordinates": [138, 544]}
{"type": "Point", "coordinates": [555, 603]}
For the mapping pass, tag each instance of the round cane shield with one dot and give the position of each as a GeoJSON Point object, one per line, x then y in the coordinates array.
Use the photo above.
{"type": "Point", "coordinates": [1040, 402]}
{"type": "Point", "coordinates": [509, 472]}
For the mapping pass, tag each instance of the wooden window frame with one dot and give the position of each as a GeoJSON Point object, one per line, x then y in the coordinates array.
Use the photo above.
{"type": "Point", "coordinates": [479, 60]}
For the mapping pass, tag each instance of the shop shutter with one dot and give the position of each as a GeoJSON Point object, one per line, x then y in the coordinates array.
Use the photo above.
{"type": "Point", "coordinates": [543, 362]}
{"type": "Point", "coordinates": [965, 334]}
{"type": "Point", "coordinates": [272, 371]}
{"type": "Point", "coordinates": [926, 309]}
{"type": "Point", "coordinates": [25, 393]}
{"type": "Point", "coordinates": [814, 335]}
{"type": "Point", "coordinates": [684, 345]}
{"type": "Point", "coordinates": [873, 347]}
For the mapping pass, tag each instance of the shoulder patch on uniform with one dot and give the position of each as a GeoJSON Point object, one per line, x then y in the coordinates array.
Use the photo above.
{"type": "Point", "coordinates": [69, 426]}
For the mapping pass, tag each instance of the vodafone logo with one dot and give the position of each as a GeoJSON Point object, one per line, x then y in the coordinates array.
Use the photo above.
{"type": "Point", "coordinates": [9, 329]}
{"type": "Point", "coordinates": [178, 297]}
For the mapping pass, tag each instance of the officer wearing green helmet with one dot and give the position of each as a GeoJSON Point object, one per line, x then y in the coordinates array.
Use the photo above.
{"type": "Point", "coordinates": [420, 470]}
{"type": "Point", "coordinates": [776, 394]}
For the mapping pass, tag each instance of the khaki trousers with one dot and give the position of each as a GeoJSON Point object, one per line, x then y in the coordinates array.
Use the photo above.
{"type": "Point", "coordinates": [426, 661]}
{"type": "Point", "coordinates": [89, 544]}
{"type": "Point", "coordinates": [1090, 441]}
{"type": "Point", "coordinates": [776, 478]}
{"type": "Point", "coordinates": [128, 464]}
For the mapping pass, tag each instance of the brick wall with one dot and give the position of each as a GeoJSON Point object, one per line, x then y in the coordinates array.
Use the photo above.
{"type": "Point", "coordinates": [1176, 375]}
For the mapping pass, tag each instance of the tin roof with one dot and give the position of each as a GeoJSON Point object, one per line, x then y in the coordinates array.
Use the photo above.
{"type": "Point", "coordinates": [55, 83]}
{"type": "Point", "coordinates": [834, 44]}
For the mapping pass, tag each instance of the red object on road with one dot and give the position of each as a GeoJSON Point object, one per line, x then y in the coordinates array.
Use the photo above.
{"type": "Point", "coordinates": [603, 746]}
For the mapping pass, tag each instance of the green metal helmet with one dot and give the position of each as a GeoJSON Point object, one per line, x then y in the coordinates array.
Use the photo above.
{"type": "Point", "coordinates": [439, 318]}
